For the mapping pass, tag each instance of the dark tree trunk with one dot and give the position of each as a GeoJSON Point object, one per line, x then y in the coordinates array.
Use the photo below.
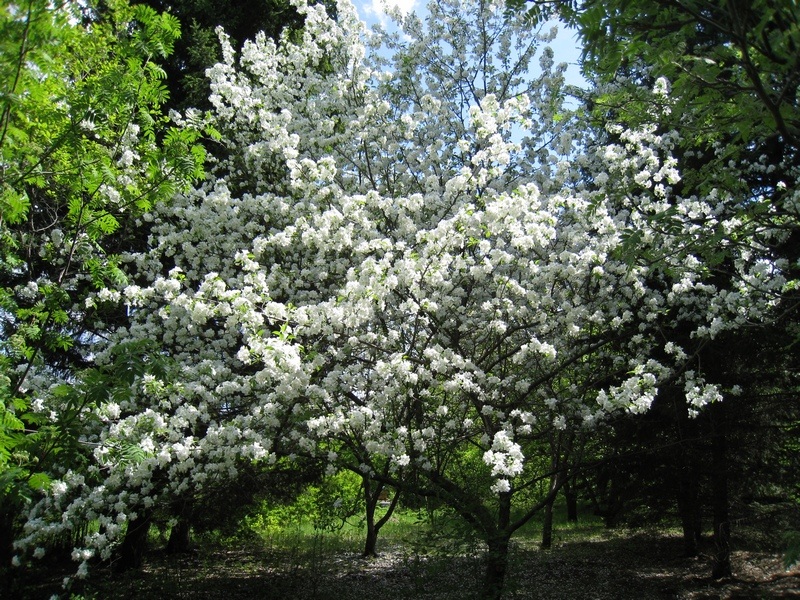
{"type": "Point", "coordinates": [7, 535]}
{"type": "Point", "coordinates": [607, 496]}
{"type": "Point", "coordinates": [131, 551]}
{"type": "Point", "coordinates": [689, 511]}
{"type": "Point", "coordinates": [371, 499]}
{"type": "Point", "coordinates": [180, 540]}
{"type": "Point", "coordinates": [571, 496]}
{"type": "Point", "coordinates": [371, 541]}
{"type": "Point", "coordinates": [615, 503]}
{"type": "Point", "coordinates": [719, 484]}
{"type": "Point", "coordinates": [497, 543]}
{"type": "Point", "coordinates": [686, 477]}
{"type": "Point", "coordinates": [547, 526]}
{"type": "Point", "coordinates": [496, 567]}
{"type": "Point", "coordinates": [8, 532]}
{"type": "Point", "coordinates": [547, 520]}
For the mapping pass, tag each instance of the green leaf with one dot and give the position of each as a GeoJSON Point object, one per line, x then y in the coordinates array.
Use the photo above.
{"type": "Point", "coordinates": [14, 206]}
{"type": "Point", "coordinates": [107, 224]}
{"type": "Point", "coordinates": [39, 481]}
{"type": "Point", "coordinates": [10, 422]}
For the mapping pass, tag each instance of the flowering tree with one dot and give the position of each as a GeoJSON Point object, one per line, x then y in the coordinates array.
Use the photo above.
{"type": "Point", "coordinates": [729, 67]}
{"type": "Point", "coordinates": [417, 261]}
{"type": "Point", "coordinates": [84, 151]}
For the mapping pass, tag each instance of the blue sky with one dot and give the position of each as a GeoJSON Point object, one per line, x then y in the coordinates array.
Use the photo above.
{"type": "Point", "coordinates": [565, 47]}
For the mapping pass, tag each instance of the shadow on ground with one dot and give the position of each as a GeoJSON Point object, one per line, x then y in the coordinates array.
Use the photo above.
{"type": "Point", "coordinates": [617, 566]}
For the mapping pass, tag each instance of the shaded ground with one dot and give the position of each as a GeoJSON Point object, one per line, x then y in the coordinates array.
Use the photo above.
{"type": "Point", "coordinates": [614, 565]}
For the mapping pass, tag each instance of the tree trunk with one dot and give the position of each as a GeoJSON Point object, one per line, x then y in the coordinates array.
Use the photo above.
{"type": "Point", "coordinates": [497, 542]}
{"type": "Point", "coordinates": [547, 526]}
{"type": "Point", "coordinates": [8, 532]}
{"type": "Point", "coordinates": [7, 535]}
{"type": "Point", "coordinates": [719, 484]}
{"type": "Point", "coordinates": [180, 540]}
{"type": "Point", "coordinates": [131, 551]}
{"type": "Point", "coordinates": [689, 511]}
{"type": "Point", "coordinates": [571, 496]}
{"type": "Point", "coordinates": [496, 567]}
{"type": "Point", "coordinates": [371, 541]}
{"type": "Point", "coordinates": [687, 478]}
{"type": "Point", "coordinates": [371, 499]}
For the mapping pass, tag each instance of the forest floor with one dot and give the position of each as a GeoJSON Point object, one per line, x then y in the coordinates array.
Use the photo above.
{"type": "Point", "coordinates": [606, 564]}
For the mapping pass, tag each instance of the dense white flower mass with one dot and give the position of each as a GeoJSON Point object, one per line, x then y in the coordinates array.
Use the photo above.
{"type": "Point", "coordinates": [418, 258]}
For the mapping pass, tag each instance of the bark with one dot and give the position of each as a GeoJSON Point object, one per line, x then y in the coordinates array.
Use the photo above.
{"type": "Point", "coordinates": [496, 567]}
{"type": "Point", "coordinates": [547, 526]}
{"type": "Point", "coordinates": [180, 540]}
{"type": "Point", "coordinates": [719, 485]}
{"type": "Point", "coordinates": [614, 505]}
{"type": "Point", "coordinates": [689, 511]}
{"type": "Point", "coordinates": [371, 499]}
{"type": "Point", "coordinates": [7, 535]}
{"type": "Point", "coordinates": [607, 496]}
{"type": "Point", "coordinates": [571, 496]}
{"type": "Point", "coordinates": [497, 552]}
{"type": "Point", "coordinates": [370, 541]}
{"type": "Point", "coordinates": [547, 521]}
{"type": "Point", "coordinates": [131, 551]}
{"type": "Point", "coordinates": [687, 480]}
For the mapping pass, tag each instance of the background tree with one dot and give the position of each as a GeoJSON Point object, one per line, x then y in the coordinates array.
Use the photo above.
{"type": "Point", "coordinates": [84, 152]}
{"type": "Point", "coordinates": [733, 72]}
{"type": "Point", "coordinates": [198, 47]}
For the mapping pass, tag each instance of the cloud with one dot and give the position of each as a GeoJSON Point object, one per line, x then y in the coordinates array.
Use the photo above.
{"type": "Point", "coordinates": [377, 8]}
